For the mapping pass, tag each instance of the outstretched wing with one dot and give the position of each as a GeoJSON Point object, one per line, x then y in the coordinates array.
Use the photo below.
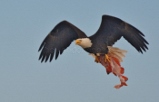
{"type": "Point", "coordinates": [112, 29]}
{"type": "Point", "coordinates": [58, 40]}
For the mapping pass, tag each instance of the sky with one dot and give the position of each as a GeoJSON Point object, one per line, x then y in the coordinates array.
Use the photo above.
{"type": "Point", "coordinates": [74, 76]}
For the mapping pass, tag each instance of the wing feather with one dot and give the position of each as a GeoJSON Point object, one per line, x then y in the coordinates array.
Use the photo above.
{"type": "Point", "coordinates": [58, 40]}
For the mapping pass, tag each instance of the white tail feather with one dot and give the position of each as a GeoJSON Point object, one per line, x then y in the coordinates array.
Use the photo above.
{"type": "Point", "coordinates": [117, 53]}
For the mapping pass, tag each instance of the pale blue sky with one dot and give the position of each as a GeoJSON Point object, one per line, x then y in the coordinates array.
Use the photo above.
{"type": "Point", "coordinates": [74, 77]}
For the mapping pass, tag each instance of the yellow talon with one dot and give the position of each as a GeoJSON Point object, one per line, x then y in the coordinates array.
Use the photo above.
{"type": "Point", "coordinates": [96, 59]}
{"type": "Point", "coordinates": [107, 58]}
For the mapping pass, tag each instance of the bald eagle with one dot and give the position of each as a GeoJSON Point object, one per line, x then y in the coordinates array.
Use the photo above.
{"type": "Point", "coordinates": [99, 45]}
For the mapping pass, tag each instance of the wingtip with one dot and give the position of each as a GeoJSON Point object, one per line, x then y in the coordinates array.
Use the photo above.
{"type": "Point", "coordinates": [40, 60]}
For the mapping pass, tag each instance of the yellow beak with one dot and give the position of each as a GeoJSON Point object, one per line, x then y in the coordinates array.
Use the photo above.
{"type": "Point", "coordinates": [78, 41]}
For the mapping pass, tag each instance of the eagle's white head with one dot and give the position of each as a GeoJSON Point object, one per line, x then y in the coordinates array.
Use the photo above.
{"type": "Point", "coordinates": [84, 42]}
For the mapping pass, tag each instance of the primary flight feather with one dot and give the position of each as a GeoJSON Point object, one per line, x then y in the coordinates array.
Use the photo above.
{"type": "Point", "coordinates": [99, 44]}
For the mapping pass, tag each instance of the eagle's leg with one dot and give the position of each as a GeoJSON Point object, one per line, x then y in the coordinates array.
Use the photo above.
{"type": "Point", "coordinates": [107, 58]}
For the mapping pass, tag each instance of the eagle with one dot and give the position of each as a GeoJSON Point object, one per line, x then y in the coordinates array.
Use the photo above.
{"type": "Point", "coordinates": [99, 45]}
